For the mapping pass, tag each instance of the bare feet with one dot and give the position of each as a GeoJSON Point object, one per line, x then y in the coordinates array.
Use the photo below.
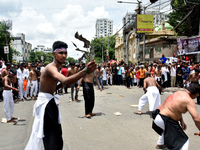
{"type": "Point", "coordinates": [73, 101]}
{"type": "Point", "coordinates": [160, 146]}
{"type": "Point", "coordinates": [88, 116]}
{"type": "Point", "coordinates": [92, 114]}
{"type": "Point", "coordinates": [31, 98]}
{"type": "Point", "coordinates": [35, 97]}
{"type": "Point", "coordinates": [138, 113]}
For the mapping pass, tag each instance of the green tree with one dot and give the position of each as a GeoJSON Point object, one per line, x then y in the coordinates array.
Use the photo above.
{"type": "Point", "coordinates": [49, 58]}
{"type": "Point", "coordinates": [71, 59]}
{"type": "Point", "coordinates": [99, 42]}
{"type": "Point", "coordinates": [5, 35]}
{"type": "Point", "coordinates": [179, 13]}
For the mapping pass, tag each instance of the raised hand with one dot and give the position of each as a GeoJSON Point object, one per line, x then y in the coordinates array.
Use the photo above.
{"type": "Point", "coordinates": [91, 67]}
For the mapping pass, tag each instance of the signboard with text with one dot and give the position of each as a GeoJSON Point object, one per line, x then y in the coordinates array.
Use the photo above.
{"type": "Point", "coordinates": [145, 23]}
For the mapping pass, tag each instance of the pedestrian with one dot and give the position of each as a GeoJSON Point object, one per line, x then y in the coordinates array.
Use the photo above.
{"type": "Point", "coordinates": [142, 75]}
{"type": "Point", "coordinates": [173, 75]}
{"type": "Point", "coordinates": [47, 122]}
{"type": "Point", "coordinates": [109, 74]}
{"type": "Point", "coordinates": [151, 95]}
{"type": "Point", "coordinates": [128, 77]}
{"type": "Point", "coordinates": [8, 96]}
{"type": "Point", "coordinates": [166, 122]}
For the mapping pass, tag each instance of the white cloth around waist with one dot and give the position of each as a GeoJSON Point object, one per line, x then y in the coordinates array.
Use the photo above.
{"type": "Point", "coordinates": [35, 141]}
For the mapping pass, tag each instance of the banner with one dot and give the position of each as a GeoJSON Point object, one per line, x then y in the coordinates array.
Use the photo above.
{"type": "Point", "coordinates": [145, 23]}
{"type": "Point", "coordinates": [188, 46]}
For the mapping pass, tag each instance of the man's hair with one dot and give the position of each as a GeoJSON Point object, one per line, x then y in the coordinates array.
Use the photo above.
{"type": "Point", "coordinates": [59, 44]}
{"type": "Point", "coordinates": [13, 71]}
{"type": "Point", "coordinates": [72, 64]}
{"type": "Point", "coordinates": [194, 88]}
{"type": "Point", "coordinates": [148, 73]}
{"type": "Point", "coordinates": [8, 64]}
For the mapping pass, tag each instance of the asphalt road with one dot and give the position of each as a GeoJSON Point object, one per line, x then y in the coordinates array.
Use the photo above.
{"type": "Point", "coordinates": [106, 131]}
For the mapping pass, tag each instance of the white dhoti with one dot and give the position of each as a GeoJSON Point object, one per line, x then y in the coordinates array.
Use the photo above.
{"type": "Point", "coordinates": [35, 141]}
{"type": "Point", "coordinates": [8, 104]}
{"type": "Point", "coordinates": [22, 92]}
{"type": "Point", "coordinates": [34, 88]}
{"type": "Point", "coordinates": [153, 96]}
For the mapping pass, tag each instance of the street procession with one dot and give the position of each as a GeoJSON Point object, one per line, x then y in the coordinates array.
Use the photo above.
{"type": "Point", "coordinates": [106, 75]}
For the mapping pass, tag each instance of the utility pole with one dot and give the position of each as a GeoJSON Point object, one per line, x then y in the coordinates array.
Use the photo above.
{"type": "Point", "coordinates": [6, 42]}
{"type": "Point", "coordinates": [102, 48]}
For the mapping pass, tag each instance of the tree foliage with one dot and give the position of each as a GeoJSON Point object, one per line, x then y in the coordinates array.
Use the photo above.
{"type": "Point", "coordinates": [98, 43]}
{"type": "Point", "coordinates": [3, 34]}
{"type": "Point", "coordinates": [179, 13]}
{"type": "Point", "coordinates": [71, 59]}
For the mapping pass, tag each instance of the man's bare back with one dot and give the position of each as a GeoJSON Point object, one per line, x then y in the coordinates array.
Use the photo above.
{"type": "Point", "coordinates": [150, 81]}
{"type": "Point", "coordinates": [176, 104]}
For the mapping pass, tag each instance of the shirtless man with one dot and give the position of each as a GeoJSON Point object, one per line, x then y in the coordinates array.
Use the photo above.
{"type": "Point", "coordinates": [194, 78]}
{"type": "Point", "coordinates": [99, 73]}
{"type": "Point", "coordinates": [88, 92]}
{"type": "Point", "coordinates": [151, 94]}
{"type": "Point", "coordinates": [109, 74]}
{"type": "Point", "coordinates": [47, 123]}
{"type": "Point", "coordinates": [8, 97]}
{"type": "Point", "coordinates": [167, 117]}
{"type": "Point", "coordinates": [33, 81]}
{"type": "Point", "coordinates": [5, 71]}
{"type": "Point", "coordinates": [73, 70]}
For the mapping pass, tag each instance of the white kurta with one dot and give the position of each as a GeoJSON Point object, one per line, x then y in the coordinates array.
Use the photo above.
{"type": "Point", "coordinates": [153, 96]}
{"type": "Point", "coordinates": [21, 76]}
{"type": "Point", "coordinates": [104, 74]}
{"type": "Point", "coordinates": [35, 141]}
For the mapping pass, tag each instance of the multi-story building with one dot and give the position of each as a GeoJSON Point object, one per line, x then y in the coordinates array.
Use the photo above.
{"type": "Point", "coordinates": [41, 48]}
{"type": "Point", "coordinates": [24, 48]}
{"type": "Point", "coordinates": [104, 27]}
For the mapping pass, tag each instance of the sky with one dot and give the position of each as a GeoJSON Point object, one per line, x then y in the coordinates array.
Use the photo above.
{"type": "Point", "coordinates": [46, 21]}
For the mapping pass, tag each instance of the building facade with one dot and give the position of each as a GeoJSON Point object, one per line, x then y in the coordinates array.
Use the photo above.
{"type": "Point", "coordinates": [104, 28]}
{"type": "Point", "coordinates": [24, 48]}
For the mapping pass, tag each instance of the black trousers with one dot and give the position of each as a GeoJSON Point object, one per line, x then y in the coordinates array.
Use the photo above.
{"type": "Point", "coordinates": [128, 81]}
{"type": "Point", "coordinates": [88, 93]}
{"type": "Point", "coordinates": [52, 129]}
{"type": "Point", "coordinates": [141, 82]}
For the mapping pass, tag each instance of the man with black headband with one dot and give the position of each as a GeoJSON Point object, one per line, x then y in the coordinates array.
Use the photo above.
{"type": "Point", "coordinates": [47, 123]}
{"type": "Point", "coordinates": [8, 97]}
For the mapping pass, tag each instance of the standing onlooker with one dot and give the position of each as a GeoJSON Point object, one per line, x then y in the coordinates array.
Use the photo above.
{"type": "Point", "coordinates": [137, 76]}
{"type": "Point", "coordinates": [186, 72]}
{"type": "Point", "coordinates": [109, 74]}
{"type": "Point", "coordinates": [22, 74]}
{"type": "Point", "coordinates": [163, 59]}
{"type": "Point", "coordinates": [114, 73]}
{"type": "Point", "coordinates": [104, 75]}
{"type": "Point", "coordinates": [64, 71]}
{"type": "Point", "coordinates": [33, 81]}
{"type": "Point", "coordinates": [99, 72]}
{"type": "Point", "coordinates": [173, 75]}
{"type": "Point", "coordinates": [119, 74]}
{"type": "Point", "coordinates": [179, 79]}
{"type": "Point", "coordinates": [164, 73]}
{"type": "Point", "coordinates": [142, 75]}
{"type": "Point", "coordinates": [123, 74]}
{"type": "Point", "coordinates": [128, 78]}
